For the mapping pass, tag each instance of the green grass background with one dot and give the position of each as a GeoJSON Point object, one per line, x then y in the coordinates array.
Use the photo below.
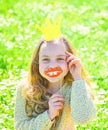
{"type": "Point", "coordinates": [84, 22]}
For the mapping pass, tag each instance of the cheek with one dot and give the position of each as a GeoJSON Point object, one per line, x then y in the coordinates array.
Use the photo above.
{"type": "Point", "coordinates": [64, 67]}
{"type": "Point", "coordinates": [41, 67]}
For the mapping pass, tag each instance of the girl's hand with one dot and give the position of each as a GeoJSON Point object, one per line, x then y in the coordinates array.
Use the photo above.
{"type": "Point", "coordinates": [74, 65]}
{"type": "Point", "coordinates": [55, 105]}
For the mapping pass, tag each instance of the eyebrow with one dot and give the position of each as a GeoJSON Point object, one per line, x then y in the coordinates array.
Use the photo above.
{"type": "Point", "coordinates": [48, 56]}
{"type": "Point", "coordinates": [45, 56]}
{"type": "Point", "coordinates": [61, 55]}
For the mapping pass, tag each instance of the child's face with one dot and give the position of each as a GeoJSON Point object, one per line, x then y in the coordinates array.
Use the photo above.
{"type": "Point", "coordinates": [52, 61]}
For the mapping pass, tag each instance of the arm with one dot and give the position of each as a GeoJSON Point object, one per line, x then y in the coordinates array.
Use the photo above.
{"type": "Point", "coordinates": [22, 122]}
{"type": "Point", "coordinates": [82, 107]}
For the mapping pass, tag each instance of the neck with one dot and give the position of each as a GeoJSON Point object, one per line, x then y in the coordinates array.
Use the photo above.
{"type": "Point", "coordinates": [54, 87]}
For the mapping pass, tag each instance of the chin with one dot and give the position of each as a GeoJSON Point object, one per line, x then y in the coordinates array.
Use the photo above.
{"type": "Point", "coordinates": [54, 79]}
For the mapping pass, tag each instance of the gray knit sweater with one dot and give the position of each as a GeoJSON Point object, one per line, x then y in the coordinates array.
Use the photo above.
{"type": "Point", "coordinates": [78, 108]}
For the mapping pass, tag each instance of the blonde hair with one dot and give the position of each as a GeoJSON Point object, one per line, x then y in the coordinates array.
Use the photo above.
{"type": "Point", "coordinates": [36, 92]}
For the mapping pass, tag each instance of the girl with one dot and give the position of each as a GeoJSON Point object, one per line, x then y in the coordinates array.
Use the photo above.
{"type": "Point", "coordinates": [56, 95]}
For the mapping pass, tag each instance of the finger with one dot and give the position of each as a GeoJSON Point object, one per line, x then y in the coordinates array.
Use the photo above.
{"type": "Point", "coordinates": [74, 62]}
{"type": "Point", "coordinates": [77, 62]}
{"type": "Point", "coordinates": [56, 95]}
{"type": "Point", "coordinates": [58, 99]}
{"type": "Point", "coordinates": [68, 53]}
{"type": "Point", "coordinates": [70, 58]}
{"type": "Point", "coordinates": [58, 107]}
{"type": "Point", "coordinates": [58, 104]}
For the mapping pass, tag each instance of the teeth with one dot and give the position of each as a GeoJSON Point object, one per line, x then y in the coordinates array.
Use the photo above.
{"type": "Point", "coordinates": [53, 73]}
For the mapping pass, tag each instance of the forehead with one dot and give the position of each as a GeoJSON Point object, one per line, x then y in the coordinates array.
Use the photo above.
{"type": "Point", "coordinates": [52, 49]}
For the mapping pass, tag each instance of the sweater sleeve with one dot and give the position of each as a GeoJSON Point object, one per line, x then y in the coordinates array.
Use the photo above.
{"type": "Point", "coordinates": [22, 122]}
{"type": "Point", "coordinates": [82, 107]}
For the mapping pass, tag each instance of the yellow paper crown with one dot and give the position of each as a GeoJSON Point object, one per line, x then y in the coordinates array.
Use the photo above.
{"type": "Point", "coordinates": [50, 30]}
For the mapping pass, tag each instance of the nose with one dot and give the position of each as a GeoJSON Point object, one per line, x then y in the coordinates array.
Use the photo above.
{"type": "Point", "coordinates": [53, 64]}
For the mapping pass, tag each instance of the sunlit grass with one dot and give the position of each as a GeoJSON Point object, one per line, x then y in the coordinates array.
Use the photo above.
{"type": "Point", "coordinates": [85, 23]}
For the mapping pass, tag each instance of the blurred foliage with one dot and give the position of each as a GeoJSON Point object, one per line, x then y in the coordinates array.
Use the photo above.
{"type": "Point", "coordinates": [85, 23]}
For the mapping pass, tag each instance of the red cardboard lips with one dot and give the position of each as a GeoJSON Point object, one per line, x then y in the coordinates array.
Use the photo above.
{"type": "Point", "coordinates": [53, 72]}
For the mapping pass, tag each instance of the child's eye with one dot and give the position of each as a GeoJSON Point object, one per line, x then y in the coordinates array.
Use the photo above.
{"type": "Point", "coordinates": [45, 59]}
{"type": "Point", "coordinates": [60, 59]}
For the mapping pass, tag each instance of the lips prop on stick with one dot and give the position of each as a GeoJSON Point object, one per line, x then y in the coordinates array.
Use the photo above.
{"type": "Point", "coordinates": [53, 72]}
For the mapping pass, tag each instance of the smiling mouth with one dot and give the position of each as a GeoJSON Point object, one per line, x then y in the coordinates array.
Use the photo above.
{"type": "Point", "coordinates": [53, 72]}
